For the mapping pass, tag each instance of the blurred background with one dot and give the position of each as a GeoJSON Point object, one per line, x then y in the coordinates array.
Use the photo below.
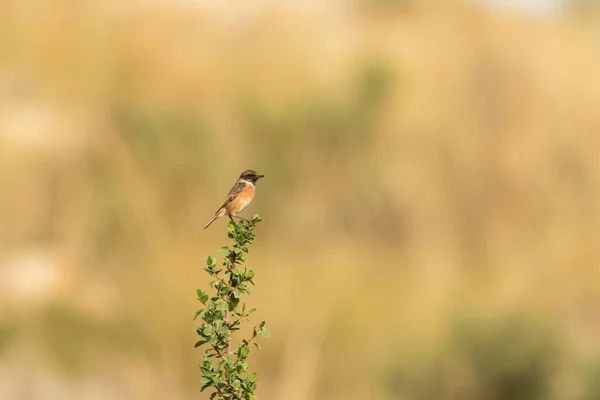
{"type": "Point", "coordinates": [431, 203]}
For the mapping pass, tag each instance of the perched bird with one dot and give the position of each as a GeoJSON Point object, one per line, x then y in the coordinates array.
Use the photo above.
{"type": "Point", "coordinates": [238, 198]}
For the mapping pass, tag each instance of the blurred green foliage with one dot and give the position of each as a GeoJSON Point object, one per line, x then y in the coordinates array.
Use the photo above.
{"type": "Point", "coordinates": [486, 358]}
{"type": "Point", "coordinates": [73, 338]}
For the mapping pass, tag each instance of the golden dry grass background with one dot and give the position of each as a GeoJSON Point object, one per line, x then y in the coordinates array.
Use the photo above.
{"type": "Point", "coordinates": [431, 205]}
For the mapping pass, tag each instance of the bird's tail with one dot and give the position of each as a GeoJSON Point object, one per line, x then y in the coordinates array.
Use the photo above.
{"type": "Point", "coordinates": [210, 222]}
{"type": "Point", "coordinates": [220, 212]}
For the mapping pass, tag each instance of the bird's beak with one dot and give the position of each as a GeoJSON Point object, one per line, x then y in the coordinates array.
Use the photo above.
{"type": "Point", "coordinates": [259, 176]}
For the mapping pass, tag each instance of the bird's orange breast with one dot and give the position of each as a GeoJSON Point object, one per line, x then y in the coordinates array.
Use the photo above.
{"type": "Point", "coordinates": [242, 200]}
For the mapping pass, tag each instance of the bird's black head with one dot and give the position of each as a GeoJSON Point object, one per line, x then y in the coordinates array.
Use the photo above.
{"type": "Point", "coordinates": [250, 176]}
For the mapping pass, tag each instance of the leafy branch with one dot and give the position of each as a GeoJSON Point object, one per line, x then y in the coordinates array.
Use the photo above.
{"type": "Point", "coordinates": [225, 366]}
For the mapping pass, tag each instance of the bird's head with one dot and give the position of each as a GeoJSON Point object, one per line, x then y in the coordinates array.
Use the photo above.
{"type": "Point", "coordinates": [250, 176]}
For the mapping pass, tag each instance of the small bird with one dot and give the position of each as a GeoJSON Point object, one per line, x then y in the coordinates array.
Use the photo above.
{"type": "Point", "coordinates": [238, 198]}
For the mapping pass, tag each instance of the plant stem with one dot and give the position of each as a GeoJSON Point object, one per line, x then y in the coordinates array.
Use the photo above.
{"type": "Point", "coordinates": [232, 259]}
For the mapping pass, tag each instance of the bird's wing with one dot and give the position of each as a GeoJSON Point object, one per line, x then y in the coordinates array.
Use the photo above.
{"type": "Point", "coordinates": [233, 193]}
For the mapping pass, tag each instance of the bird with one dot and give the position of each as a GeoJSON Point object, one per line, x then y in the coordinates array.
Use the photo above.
{"type": "Point", "coordinates": [238, 198]}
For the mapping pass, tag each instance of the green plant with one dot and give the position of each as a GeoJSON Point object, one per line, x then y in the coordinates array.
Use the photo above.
{"type": "Point", "coordinates": [225, 366]}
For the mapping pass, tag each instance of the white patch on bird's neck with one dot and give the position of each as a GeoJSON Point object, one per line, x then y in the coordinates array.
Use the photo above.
{"type": "Point", "coordinates": [248, 182]}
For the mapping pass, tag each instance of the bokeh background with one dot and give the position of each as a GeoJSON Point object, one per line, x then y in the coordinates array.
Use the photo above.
{"type": "Point", "coordinates": [431, 202]}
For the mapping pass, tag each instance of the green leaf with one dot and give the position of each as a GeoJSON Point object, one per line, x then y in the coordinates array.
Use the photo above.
{"type": "Point", "coordinates": [244, 351]}
{"type": "Point", "coordinates": [233, 303]}
{"type": "Point", "coordinates": [264, 332]}
{"type": "Point", "coordinates": [203, 297]}
{"type": "Point", "coordinates": [253, 377]}
{"type": "Point", "coordinates": [224, 290]}
{"type": "Point", "coordinates": [222, 331]}
{"type": "Point", "coordinates": [223, 249]}
{"type": "Point", "coordinates": [197, 313]}
{"type": "Point", "coordinates": [199, 343]}
{"type": "Point", "coordinates": [211, 261]}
